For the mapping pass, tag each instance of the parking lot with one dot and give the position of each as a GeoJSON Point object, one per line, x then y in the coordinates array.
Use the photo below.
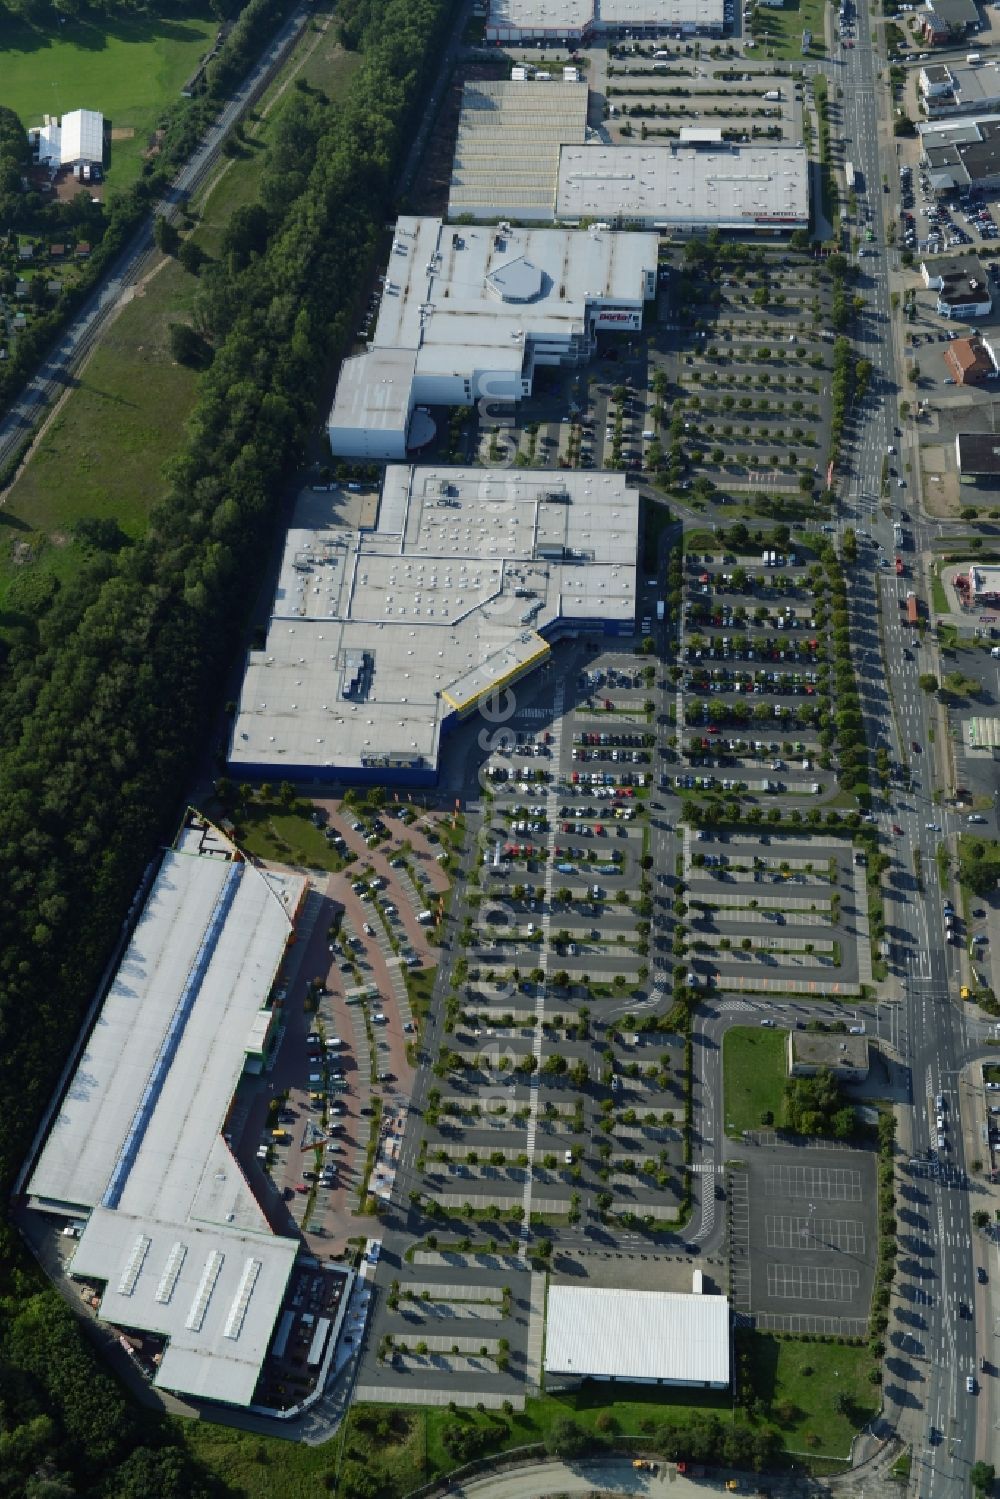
{"type": "Point", "coordinates": [804, 1238]}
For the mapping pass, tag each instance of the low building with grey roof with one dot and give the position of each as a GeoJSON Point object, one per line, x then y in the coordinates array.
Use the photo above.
{"type": "Point", "coordinates": [961, 154]}
{"type": "Point", "coordinates": [381, 641]}
{"type": "Point", "coordinates": [960, 88]}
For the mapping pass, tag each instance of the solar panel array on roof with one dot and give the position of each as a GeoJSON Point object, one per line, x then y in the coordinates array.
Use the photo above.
{"type": "Point", "coordinates": [507, 148]}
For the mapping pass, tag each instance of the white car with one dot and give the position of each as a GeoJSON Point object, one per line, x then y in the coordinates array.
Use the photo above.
{"type": "Point", "coordinates": [933, 827]}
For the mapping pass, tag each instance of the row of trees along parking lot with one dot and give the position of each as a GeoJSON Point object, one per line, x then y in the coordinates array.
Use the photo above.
{"type": "Point", "coordinates": [109, 682]}
{"type": "Point", "coordinates": [756, 391]}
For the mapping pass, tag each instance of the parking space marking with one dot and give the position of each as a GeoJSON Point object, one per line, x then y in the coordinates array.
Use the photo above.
{"type": "Point", "coordinates": [811, 1282]}
{"type": "Point", "coordinates": [833, 1184]}
{"type": "Point", "coordinates": [845, 1234]}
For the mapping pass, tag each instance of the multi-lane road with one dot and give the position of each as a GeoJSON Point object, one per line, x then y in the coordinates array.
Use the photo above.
{"type": "Point", "coordinates": [79, 336]}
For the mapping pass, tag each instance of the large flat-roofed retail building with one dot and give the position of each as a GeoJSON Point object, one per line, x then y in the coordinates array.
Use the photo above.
{"type": "Point", "coordinates": [638, 1337]}
{"type": "Point", "coordinates": [700, 183]}
{"type": "Point", "coordinates": [380, 641]}
{"type": "Point", "coordinates": [507, 148]}
{"type": "Point", "coordinates": [469, 312]}
{"type": "Point", "coordinates": [138, 1148]}
{"type": "Point", "coordinates": [579, 21]}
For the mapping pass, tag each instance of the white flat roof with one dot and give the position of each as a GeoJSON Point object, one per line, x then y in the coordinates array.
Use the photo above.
{"type": "Point", "coordinates": [640, 1335]}
{"type": "Point", "coordinates": [679, 184]}
{"type": "Point", "coordinates": [446, 294]}
{"type": "Point", "coordinates": [138, 1136]}
{"type": "Point", "coordinates": [507, 148]}
{"type": "Point", "coordinates": [446, 599]}
{"type": "Point", "coordinates": [214, 1293]}
{"type": "Point", "coordinates": [577, 15]}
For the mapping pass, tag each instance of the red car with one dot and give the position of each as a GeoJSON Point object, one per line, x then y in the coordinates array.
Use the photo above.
{"type": "Point", "coordinates": [897, 830]}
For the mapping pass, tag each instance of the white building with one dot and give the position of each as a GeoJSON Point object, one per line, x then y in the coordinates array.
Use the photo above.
{"type": "Point", "coordinates": [961, 284]}
{"type": "Point", "coordinates": [382, 640]}
{"type": "Point", "coordinates": [507, 147]}
{"type": "Point", "coordinates": [76, 140]}
{"type": "Point", "coordinates": [582, 21]}
{"type": "Point", "coordinates": [138, 1147]}
{"type": "Point", "coordinates": [637, 1337]}
{"type": "Point", "coordinates": [960, 87]}
{"type": "Point", "coordinates": [700, 183]}
{"type": "Point", "coordinates": [468, 313]}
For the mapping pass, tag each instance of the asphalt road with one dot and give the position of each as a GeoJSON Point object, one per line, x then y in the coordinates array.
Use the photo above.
{"type": "Point", "coordinates": [927, 1387]}
{"type": "Point", "coordinates": [78, 338]}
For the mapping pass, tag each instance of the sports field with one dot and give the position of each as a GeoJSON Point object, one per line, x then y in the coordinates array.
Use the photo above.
{"type": "Point", "coordinates": [128, 69]}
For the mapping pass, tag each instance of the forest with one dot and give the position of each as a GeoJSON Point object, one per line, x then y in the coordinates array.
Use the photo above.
{"type": "Point", "coordinates": [110, 685]}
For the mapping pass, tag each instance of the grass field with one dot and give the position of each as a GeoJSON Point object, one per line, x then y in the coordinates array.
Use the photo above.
{"type": "Point", "coordinates": [818, 1394]}
{"type": "Point", "coordinates": [128, 69]}
{"type": "Point", "coordinates": [778, 33]}
{"type": "Point", "coordinates": [753, 1069]}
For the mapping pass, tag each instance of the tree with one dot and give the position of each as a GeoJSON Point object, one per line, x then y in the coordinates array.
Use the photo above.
{"type": "Point", "coordinates": [982, 1476]}
{"type": "Point", "coordinates": [187, 345]}
{"type": "Point", "coordinates": [166, 236]}
{"type": "Point", "coordinates": [565, 1439]}
{"type": "Point", "coordinates": [191, 256]}
{"type": "Point", "coordinates": [928, 681]}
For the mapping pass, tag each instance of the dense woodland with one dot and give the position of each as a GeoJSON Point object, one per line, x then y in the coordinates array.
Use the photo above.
{"type": "Point", "coordinates": [111, 681]}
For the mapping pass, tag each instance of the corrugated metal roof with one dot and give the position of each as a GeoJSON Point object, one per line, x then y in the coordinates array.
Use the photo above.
{"type": "Point", "coordinates": [641, 1335]}
{"type": "Point", "coordinates": [82, 137]}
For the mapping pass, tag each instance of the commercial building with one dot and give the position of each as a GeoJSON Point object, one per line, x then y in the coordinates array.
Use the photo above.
{"type": "Point", "coordinates": [983, 585]}
{"type": "Point", "coordinates": [138, 1148]}
{"type": "Point", "coordinates": [845, 1056]}
{"type": "Point", "coordinates": [960, 88]}
{"type": "Point", "coordinates": [381, 641]}
{"type": "Point", "coordinates": [692, 186]}
{"type": "Point", "coordinates": [577, 22]}
{"type": "Point", "coordinates": [968, 361]}
{"type": "Point", "coordinates": [507, 148]}
{"type": "Point", "coordinates": [638, 1337]}
{"type": "Point", "coordinates": [962, 154]}
{"type": "Point", "coordinates": [960, 283]}
{"type": "Point", "coordinates": [468, 313]}
{"type": "Point", "coordinates": [75, 140]}
{"type": "Point", "coordinates": [978, 455]}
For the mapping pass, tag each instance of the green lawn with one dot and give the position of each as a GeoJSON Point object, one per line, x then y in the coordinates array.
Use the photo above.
{"type": "Point", "coordinates": [802, 1384]}
{"type": "Point", "coordinates": [754, 1072]}
{"type": "Point", "coordinates": [126, 68]}
{"type": "Point", "coordinates": [778, 33]}
{"type": "Point", "coordinates": [272, 831]}
{"type": "Point", "coordinates": [261, 1467]}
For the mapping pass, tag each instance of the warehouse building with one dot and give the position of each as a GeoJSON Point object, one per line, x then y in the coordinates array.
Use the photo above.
{"type": "Point", "coordinates": [77, 140]}
{"type": "Point", "coordinates": [138, 1150]}
{"type": "Point", "coordinates": [468, 314]}
{"type": "Point", "coordinates": [960, 284]}
{"type": "Point", "coordinates": [507, 148]}
{"type": "Point", "coordinates": [637, 1337]}
{"type": "Point", "coordinates": [578, 22]}
{"type": "Point", "coordinates": [962, 154]}
{"type": "Point", "coordinates": [382, 640]}
{"type": "Point", "coordinates": [696, 185]}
